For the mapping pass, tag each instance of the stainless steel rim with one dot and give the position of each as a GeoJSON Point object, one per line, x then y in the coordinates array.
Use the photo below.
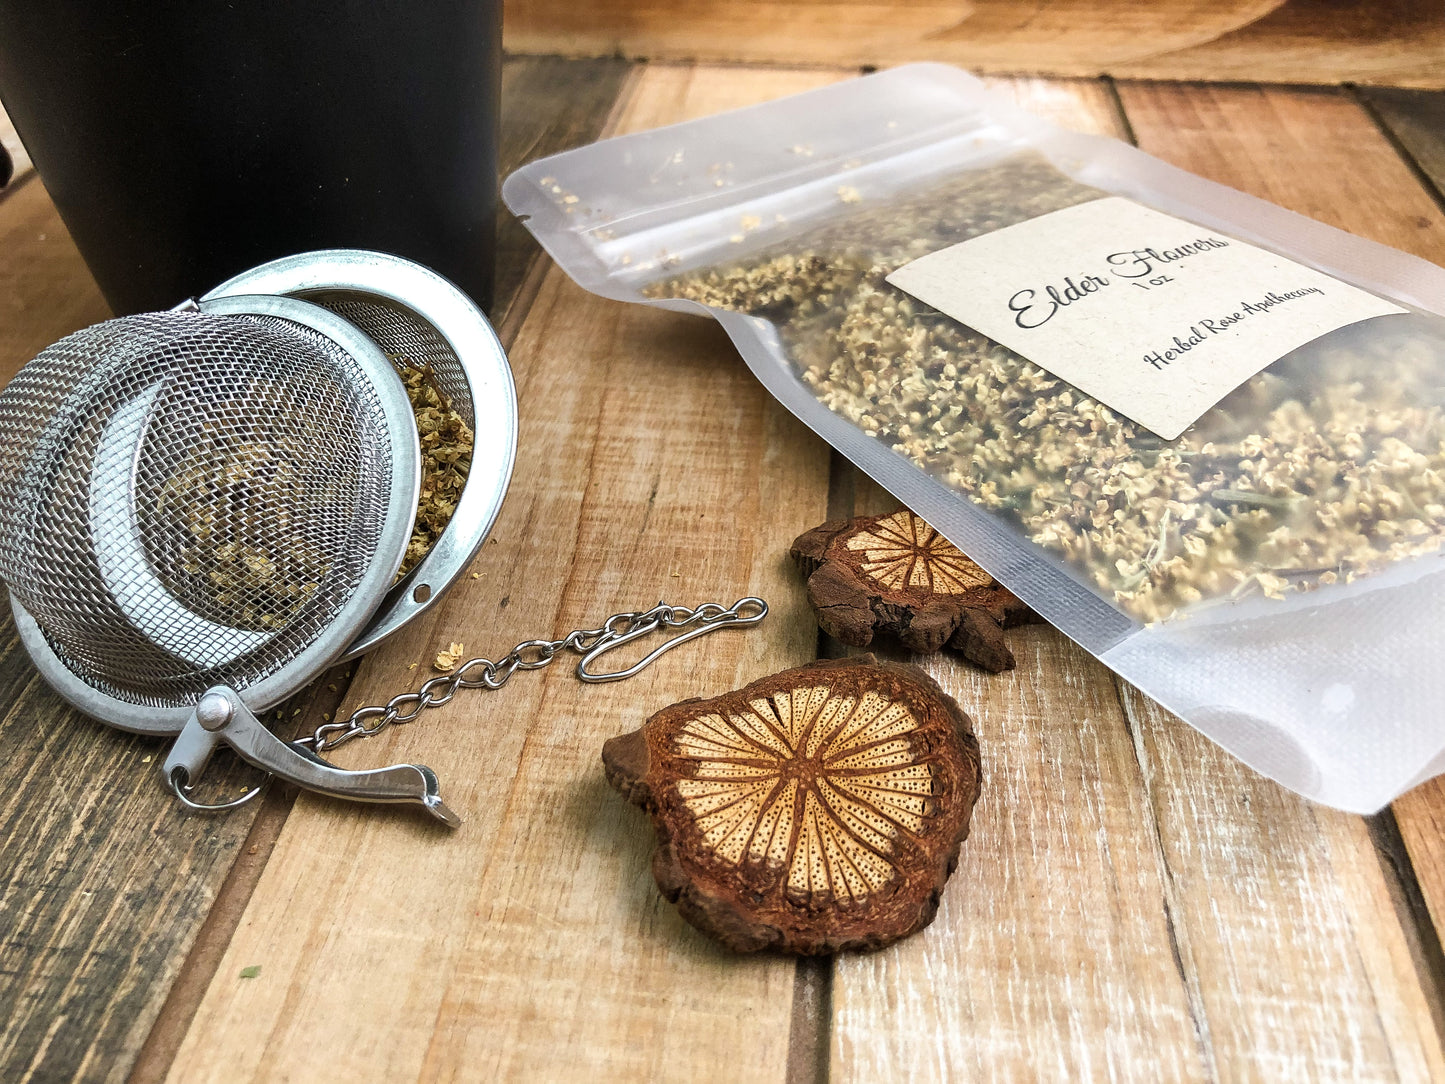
{"type": "Point", "coordinates": [369, 592]}
{"type": "Point", "coordinates": [457, 319]}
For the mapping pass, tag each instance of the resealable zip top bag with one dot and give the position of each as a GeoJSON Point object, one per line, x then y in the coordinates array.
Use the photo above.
{"type": "Point", "coordinates": [1202, 435]}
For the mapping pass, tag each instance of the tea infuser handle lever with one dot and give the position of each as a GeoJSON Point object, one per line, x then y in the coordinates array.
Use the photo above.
{"type": "Point", "coordinates": [221, 717]}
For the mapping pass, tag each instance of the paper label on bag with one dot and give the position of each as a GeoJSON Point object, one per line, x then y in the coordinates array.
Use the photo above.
{"type": "Point", "coordinates": [1155, 317]}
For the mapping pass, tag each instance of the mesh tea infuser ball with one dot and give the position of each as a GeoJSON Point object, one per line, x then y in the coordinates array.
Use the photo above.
{"type": "Point", "coordinates": [202, 509]}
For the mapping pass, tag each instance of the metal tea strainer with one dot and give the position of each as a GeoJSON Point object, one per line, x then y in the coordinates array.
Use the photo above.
{"type": "Point", "coordinates": [202, 509]}
{"type": "Point", "coordinates": [200, 505]}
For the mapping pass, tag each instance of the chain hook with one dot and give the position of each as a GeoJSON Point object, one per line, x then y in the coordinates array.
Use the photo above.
{"type": "Point", "coordinates": [619, 629]}
{"type": "Point", "coordinates": [743, 612]}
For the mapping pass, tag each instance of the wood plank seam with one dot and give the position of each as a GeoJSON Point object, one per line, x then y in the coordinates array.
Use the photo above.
{"type": "Point", "coordinates": [578, 362]}
{"type": "Point", "coordinates": [199, 969]}
{"type": "Point", "coordinates": [1169, 896]}
{"type": "Point", "coordinates": [1413, 910]}
{"type": "Point", "coordinates": [1188, 971]}
{"type": "Point", "coordinates": [1428, 182]}
{"type": "Point", "coordinates": [321, 700]}
{"type": "Point", "coordinates": [1399, 874]}
{"type": "Point", "coordinates": [1120, 114]}
{"type": "Point", "coordinates": [159, 1048]}
{"type": "Point", "coordinates": [508, 318]}
{"type": "Point", "coordinates": [810, 1029]}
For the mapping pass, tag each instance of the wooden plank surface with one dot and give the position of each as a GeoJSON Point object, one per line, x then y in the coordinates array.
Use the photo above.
{"type": "Point", "coordinates": [105, 882]}
{"type": "Point", "coordinates": [45, 290]}
{"type": "Point", "coordinates": [1416, 121]}
{"type": "Point", "coordinates": [1133, 903]}
{"type": "Point", "coordinates": [1386, 42]}
{"type": "Point", "coordinates": [532, 943]}
{"type": "Point", "coordinates": [1319, 153]}
{"type": "Point", "coordinates": [1150, 908]}
{"type": "Point", "coordinates": [1051, 957]}
{"type": "Point", "coordinates": [549, 105]}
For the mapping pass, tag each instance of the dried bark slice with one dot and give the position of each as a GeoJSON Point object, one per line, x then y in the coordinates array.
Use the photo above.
{"type": "Point", "coordinates": [896, 574]}
{"type": "Point", "coordinates": [816, 810]}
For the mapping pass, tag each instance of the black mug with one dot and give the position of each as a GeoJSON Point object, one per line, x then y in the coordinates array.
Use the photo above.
{"type": "Point", "coordinates": [184, 142]}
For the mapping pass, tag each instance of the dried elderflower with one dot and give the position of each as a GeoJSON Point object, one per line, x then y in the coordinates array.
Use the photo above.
{"type": "Point", "coordinates": [1328, 464]}
{"type": "Point", "coordinates": [446, 453]}
{"type": "Point", "coordinates": [233, 522]}
{"type": "Point", "coordinates": [816, 810]}
{"type": "Point", "coordinates": [447, 660]}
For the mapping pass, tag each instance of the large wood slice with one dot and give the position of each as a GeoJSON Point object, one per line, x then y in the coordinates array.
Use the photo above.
{"type": "Point", "coordinates": [816, 810]}
{"type": "Point", "coordinates": [896, 574]}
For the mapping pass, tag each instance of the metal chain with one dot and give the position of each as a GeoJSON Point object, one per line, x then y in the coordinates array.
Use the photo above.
{"type": "Point", "coordinates": [479, 673]}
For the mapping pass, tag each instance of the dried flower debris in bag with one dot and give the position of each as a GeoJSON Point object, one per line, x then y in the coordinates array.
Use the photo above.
{"type": "Point", "coordinates": [895, 574]}
{"type": "Point", "coordinates": [816, 810]}
{"type": "Point", "coordinates": [1328, 464]}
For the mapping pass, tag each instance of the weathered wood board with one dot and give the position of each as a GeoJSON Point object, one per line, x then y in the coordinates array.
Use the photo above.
{"type": "Point", "coordinates": [1154, 910]}
{"type": "Point", "coordinates": [106, 882]}
{"type": "Point", "coordinates": [1416, 121]}
{"type": "Point", "coordinates": [532, 944]}
{"type": "Point", "coordinates": [1385, 42]}
{"type": "Point", "coordinates": [1416, 118]}
{"type": "Point", "coordinates": [1317, 152]}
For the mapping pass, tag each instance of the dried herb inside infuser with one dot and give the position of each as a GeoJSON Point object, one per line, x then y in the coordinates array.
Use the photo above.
{"type": "Point", "coordinates": [816, 810]}
{"type": "Point", "coordinates": [230, 555]}
{"type": "Point", "coordinates": [895, 574]}
{"type": "Point", "coordinates": [446, 455]}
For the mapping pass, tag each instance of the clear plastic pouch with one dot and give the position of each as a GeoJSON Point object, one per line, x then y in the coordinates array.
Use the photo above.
{"type": "Point", "coordinates": [1271, 574]}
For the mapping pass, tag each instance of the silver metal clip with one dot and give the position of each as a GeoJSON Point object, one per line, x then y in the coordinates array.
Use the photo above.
{"type": "Point", "coordinates": [709, 617]}
{"type": "Point", "coordinates": [222, 718]}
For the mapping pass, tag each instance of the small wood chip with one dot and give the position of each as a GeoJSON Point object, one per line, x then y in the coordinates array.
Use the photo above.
{"type": "Point", "coordinates": [817, 810]}
{"type": "Point", "coordinates": [896, 574]}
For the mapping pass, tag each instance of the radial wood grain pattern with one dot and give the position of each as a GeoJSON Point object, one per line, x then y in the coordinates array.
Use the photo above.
{"type": "Point", "coordinates": [816, 810]}
{"type": "Point", "coordinates": [903, 551]}
{"type": "Point", "coordinates": [895, 575]}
